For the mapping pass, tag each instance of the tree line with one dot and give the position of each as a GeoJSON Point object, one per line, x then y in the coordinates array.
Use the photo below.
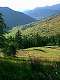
{"type": "Point", "coordinates": [11, 44]}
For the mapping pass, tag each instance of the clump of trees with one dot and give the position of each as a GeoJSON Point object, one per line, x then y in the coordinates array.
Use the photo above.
{"type": "Point", "coordinates": [7, 45]}
{"type": "Point", "coordinates": [21, 42]}
{"type": "Point", "coordinates": [39, 41]}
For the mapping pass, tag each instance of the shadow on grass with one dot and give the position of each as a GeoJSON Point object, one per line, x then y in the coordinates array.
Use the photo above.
{"type": "Point", "coordinates": [13, 69]}
{"type": "Point", "coordinates": [36, 50]}
{"type": "Point", "coordinates": [40, 50]}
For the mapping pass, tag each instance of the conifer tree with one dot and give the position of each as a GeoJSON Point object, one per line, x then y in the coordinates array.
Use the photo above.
{"type": "Point", "coordinates": [2, 30]}
{"type": "Point", "coordinates": [18, 40]}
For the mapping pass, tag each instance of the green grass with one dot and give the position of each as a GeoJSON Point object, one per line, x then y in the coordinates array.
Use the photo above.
{"type": "Point", "coordinates": [49, 53]}
{"type": "Point", "coordinates": [38, 63]}
{"type": "Point", "coordinates": [12, 69]}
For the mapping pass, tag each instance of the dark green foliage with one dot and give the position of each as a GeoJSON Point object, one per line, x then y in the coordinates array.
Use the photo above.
{"type": "Point", "coordinates": [36, 40]}
{"type": "Point", "coordinates": [2, 41]}
{"type": "Point", "coordinates": [34, 35]}
{"type": "Point", "coordinates": [25, 42]}
{"type": "Point", "coordinates": [13, 43]}
{"type": "Point", "coordinates": [11, 50]}
{"type": "Point", "coordinates": [58, 39]}
{"type": "Point", "coordinates": [18, 40]}
{"type": "Point", "coordinates": [7, 45]}
{"type": "Point", "coordinates": [2, 30]}
{"type": "Point", "coordinates": [10, 46]}
{"type": "Point", "coordinates": [37, 34]}
{"type": "Point", "coordinates": [39, 41]}
{"type": "Point", "coordinates": [21, 69]}
{"type": "Point", "coordinates": [2, 24]}
{"type": "Point", "coordinates": [16, 69]}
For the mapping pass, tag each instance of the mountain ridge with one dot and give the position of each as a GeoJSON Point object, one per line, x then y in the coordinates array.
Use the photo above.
{"type": "Point", "coordinates": [47, 27]}
{"type": "Point", "coordinates": [43, 12]}
{"type": "Point", "coordinates": [13, 18]}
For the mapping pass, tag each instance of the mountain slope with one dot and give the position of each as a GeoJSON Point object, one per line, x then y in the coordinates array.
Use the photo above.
{"type": "Point", "coordinates": [48, 27]}
{"type": "Point", "coordinates": [55, 7]}
{"type": "Point", "coordinates": [43, 12]}
{"type": "Point", "coordinates": [13, 18]}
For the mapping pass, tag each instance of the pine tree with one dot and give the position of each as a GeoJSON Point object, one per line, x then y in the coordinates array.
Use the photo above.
{"type": "Point", "coordinates": [2, 30]}
{"type": "Point", "coordinates": [2, 24]}
{"type": "Point", "coordinates": [18, 40]}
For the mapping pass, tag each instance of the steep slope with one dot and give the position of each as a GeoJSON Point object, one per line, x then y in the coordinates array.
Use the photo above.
{"type": "Point", "coordinates": [43, 12]}
{"type": "Point", "coordinates": [48, 27]}
{"type": "Point", "coordinates": [13, 18]}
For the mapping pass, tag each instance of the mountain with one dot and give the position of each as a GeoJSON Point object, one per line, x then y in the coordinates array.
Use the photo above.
{"type": "Point", "coordinates": [43, 12]}
{"type": "Point", "coordinates": [48, 27]}
{"type": "Point", "coordinates": [55, 7]}
{"type": "Point", "coordinates": [13, 18]}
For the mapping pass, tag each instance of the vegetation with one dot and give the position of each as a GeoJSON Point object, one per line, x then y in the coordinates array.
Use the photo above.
{"type": "Point", "coordinates": [45, 33]}
{"type": "Point", "coordinates": [39, 34]}
{"type": "Point", "coordinates": [2, 30]}
{"type": "Point", "coordinates": [42, 61]}
{"type": "Point", "coordinates": [14, 17]}
{"type": "Point", "coordinates": [33, 63]}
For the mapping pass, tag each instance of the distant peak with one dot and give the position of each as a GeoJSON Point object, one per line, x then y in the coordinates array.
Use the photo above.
{"type": "Point", "coordinates": [4, 7]}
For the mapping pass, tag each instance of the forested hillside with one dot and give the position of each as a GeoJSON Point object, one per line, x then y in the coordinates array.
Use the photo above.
{"type": "Point", "coordinates": [13, 18]}
{"type": "Point", "coordinates": [41, 33]}
{"type": "Point", "coordinates": [50, 26]}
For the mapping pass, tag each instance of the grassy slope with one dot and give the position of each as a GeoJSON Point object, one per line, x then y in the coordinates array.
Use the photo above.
{"type": "Point", "coordinates": [40, 63]}
{"type": "Point", "coordinates": [44, 28]}
{"type": "Point", "coordinates": [41, 53]}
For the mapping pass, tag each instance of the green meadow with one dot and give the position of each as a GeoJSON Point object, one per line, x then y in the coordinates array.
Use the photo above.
{"type": "Point", "coordinates": [38, 63]}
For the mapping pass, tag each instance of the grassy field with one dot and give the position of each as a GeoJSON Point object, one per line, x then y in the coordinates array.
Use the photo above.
{"type": "Point", "coordinates": [38, 63]}
{"type": "Point", "coordinates": [41, 53]}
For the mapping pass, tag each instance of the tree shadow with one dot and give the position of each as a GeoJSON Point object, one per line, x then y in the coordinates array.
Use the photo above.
{"type": "Point", "coordinates": [41, 50]}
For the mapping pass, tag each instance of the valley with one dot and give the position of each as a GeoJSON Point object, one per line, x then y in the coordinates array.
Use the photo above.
{"type": "Point", "coordinates": [30, 43]}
